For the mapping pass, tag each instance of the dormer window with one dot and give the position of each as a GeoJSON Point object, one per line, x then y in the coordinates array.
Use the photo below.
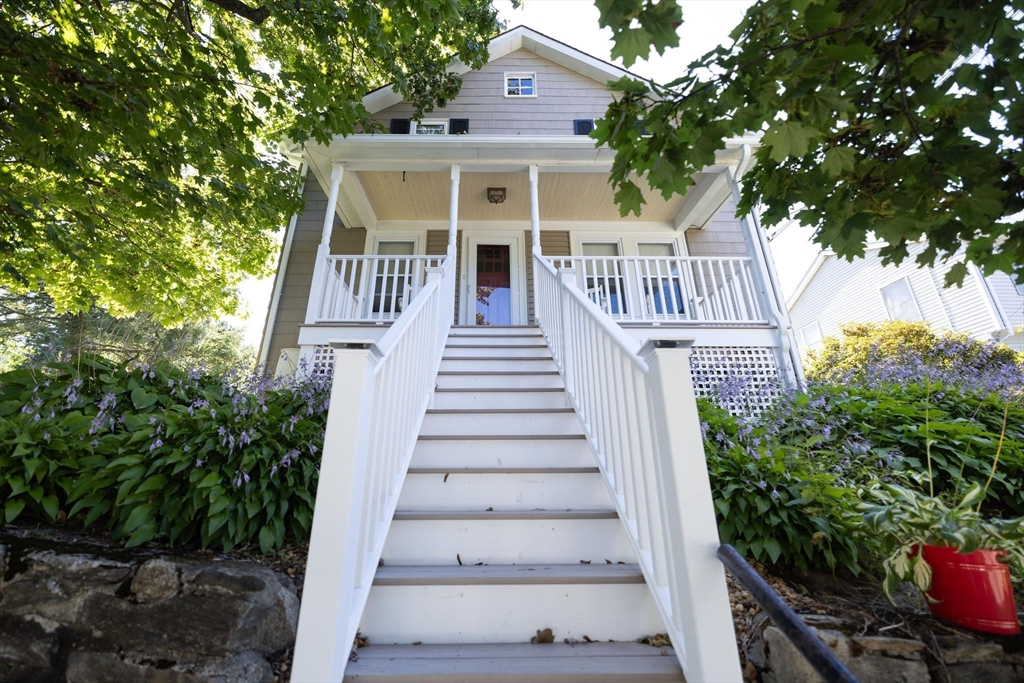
{"type": "Point", "coordinates": [430, 127]}
{"type": "Point", "coordinates": [520, 85]}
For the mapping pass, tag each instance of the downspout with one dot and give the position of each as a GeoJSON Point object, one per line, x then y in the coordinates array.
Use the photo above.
{"type": "Point", "coordinates": [282, 266]}
{"type": "Point", "coordinates": [776, 304]}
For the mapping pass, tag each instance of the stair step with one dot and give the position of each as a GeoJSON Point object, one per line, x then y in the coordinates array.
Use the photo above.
{"type": "Point", "coordinates": [499, 380]}
{"type": "Point", "coordinates": [494, 331]}
{"type": "Point", "coordinates": [492, 423]}
{"type": "Point", "coordinates": [514, 662]}
{"type": "Point", "coordinates": [503, 490]}
{"type": "Point", "coordinates": [495, 352]}
{"type": "Point", "coordinates": [499, 399]}
{"type": "Point", "coordinates": [505, 365]}
{"type": "Point", "coordinates": [508, 612]}
{"type": "Point", "coordinates": [497, 539]}
{"type": "Point", "coordinates": [439, 452]}
{"type": "Point", "coordinates": [506, 574]}
{"type": "Point", "coordinates": [425, 515]}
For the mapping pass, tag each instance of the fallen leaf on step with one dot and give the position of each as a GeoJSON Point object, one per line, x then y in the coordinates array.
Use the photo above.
{"type": "Point", "coordinates": [458, 558]}
{"type": "Point", "coordinates": [584, 561]}
{"type": "Point", "coordinates": [545, 636]}
{"type": "Point", "coordinates": [446, 477]}
{"type": "Point", "coordinates": [479, 563]}
{"type": "Point", "coordinates": [361, 641]}
{"type": "Point", "coordinates": [418, 642]}
{"type": "Point", "coordinates": [489, 510]}
{"type": "Point", "coordinates": [380, 562]}
{"type": "Point", "coordinates": [570, 641]}
{"type": "Point", "coordinates": [586, 639]}
{"type": "Point", "coordinates": [664, 654]}
{"type": "Point", "coordinates": [607, 561]}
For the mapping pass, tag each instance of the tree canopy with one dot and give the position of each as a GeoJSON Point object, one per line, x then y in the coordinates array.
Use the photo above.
{"type": "Point", "coordinates": [138, 140]}
{"type": "Point", "coordinates": [881, 119]}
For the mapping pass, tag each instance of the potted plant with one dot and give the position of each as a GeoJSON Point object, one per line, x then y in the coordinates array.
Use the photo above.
{"type": "Point", "coordinates": [960, 560]}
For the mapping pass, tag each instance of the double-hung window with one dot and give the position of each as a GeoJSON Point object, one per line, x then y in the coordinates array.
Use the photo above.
{"type": "Point", "coordinates": [604, 276]}
{"type": "Point", "coordinates": [391, 281]}
{"type": "Point", "coordinates": [659, 277]}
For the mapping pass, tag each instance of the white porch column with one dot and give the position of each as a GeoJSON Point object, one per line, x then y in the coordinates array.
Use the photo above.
{"type": "Point", "coordinates": [323, 250]}
{"type": "Point", "coordinates": [453, 211]}
{"type": "Point", "coordinates": [534, 210]}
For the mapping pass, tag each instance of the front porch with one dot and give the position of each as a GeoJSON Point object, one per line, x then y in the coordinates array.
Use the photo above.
{"type": "Point", "coordinates": [667, 270]}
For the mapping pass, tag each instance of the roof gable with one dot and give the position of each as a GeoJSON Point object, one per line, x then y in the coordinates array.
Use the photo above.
{"type": "Point", "coordinates": [519, 38]}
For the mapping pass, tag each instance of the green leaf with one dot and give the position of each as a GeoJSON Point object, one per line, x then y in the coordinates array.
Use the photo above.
{"type": "Point", "coordinates": [838, 159]}
{"type": "Point", "coordinates": [12, 509]}
{"type": "Point", "coordinates": [154, 483]}
{"type": "Point", "coordinates": [51, 507]}
{"type": "Point", "coordinates": [142, 399]}
{"type": "Point", "coordinates": [788, 138]}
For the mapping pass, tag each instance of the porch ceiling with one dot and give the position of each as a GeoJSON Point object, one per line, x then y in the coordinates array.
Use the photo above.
{"type": "Point", "coordinates": [424, 195]}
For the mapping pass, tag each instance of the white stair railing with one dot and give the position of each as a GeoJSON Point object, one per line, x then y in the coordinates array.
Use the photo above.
{"type": "Point", "coordinates": [709, 290]}
{"type": "Point", "coordinates": [369, 288]}
{"type": "Point", "coordinates": [378, 399]}
{"type": "Point", "coordinates": [639, 413]}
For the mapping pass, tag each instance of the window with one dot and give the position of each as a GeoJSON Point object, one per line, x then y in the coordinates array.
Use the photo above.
{"type": "Point", "coordinates": [458, 126]}
{"type": "Point", "coordinates": [899, 301]}
{"type": "Point", "coordinates": [430, 127]}
{"type": "Point", "coordinates": [582, 126]}
{"type": "Point", "coordinates": [603, 276]}
{"type": "Point", "coordinates": [400, 126]}
{"type": "Point", "coordinates": [392, 276]}
{"type": "Point", "coordinates": [520, 85]}
{"type": "Point", "coordinates": [812, 335]}
{"type": "Point", "coordinates": [659, 277]}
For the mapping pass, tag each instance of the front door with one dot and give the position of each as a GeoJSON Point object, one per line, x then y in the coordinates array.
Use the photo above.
{"type": "Point", "coordinates": [493, 284]}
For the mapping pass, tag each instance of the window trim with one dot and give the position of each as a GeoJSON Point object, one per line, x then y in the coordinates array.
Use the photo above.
{"type": "Point", "coordinates": [414, 125]}
{"type": "Point", "coordinates": [913, 297]}
{"type": "Point", "coordinates": [378, 240]}
{"type": "Point", "coordinates": [674, 243]}
{"type": "Point", "coordinates": [519, 74]}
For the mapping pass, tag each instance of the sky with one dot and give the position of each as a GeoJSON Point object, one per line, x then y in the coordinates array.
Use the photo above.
{"type": "Point", "coordinates": [706, 24]}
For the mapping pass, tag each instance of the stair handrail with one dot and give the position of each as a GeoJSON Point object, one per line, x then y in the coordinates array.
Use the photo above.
{"type": "Point", "coordinates": [380, 393]}
{"type": "Point", "coordinates": [639, 413]}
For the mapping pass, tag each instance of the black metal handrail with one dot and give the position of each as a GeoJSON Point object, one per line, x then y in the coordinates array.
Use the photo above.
{"type": "Point", "coordinates": [792, 626]}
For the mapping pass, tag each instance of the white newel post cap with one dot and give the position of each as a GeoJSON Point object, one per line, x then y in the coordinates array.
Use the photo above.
{"type": "Point", "coordinates": [653, 345]}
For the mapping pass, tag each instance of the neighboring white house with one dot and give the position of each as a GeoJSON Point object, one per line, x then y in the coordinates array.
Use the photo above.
{"type": "Point", "coordinates": [835, 291]}
{"type": "Point", "coordinates": [513, 442]}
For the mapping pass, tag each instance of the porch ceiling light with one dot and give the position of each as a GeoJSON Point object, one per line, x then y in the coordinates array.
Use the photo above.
{"type": "Point", "coordinates": [496, 195]}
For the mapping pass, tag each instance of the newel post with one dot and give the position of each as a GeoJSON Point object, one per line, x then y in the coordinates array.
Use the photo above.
{"type": "Point", "coordinates": [326, 626]}
{"type": "Point", "coordinates": [319, 284]}
{"type": "Point", "coordinates": [700, 597]}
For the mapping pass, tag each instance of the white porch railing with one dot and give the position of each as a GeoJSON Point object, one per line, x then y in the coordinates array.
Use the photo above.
{"type": "Point", "coordinates": [378, 400]}
{"type": "Point", "coordinates": [681, 289]}
{"type": "Point", "coordinates": [639, 413]}
{"type": "Point", "coordinates": [369, 288]}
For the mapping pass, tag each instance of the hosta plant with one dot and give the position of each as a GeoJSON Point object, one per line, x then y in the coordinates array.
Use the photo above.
{"type": "Point", "coordinates": [903, 521]}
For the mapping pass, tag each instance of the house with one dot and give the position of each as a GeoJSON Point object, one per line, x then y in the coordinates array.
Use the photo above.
{"type": "Point", "coordinates": [835, 291]}
{"type": "Point", "coordinates": [513, 443]}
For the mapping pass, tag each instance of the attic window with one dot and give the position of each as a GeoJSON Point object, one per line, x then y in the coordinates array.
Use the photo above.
{"type": "Point", "coordinates": [520, 85]}
{"type": "Point", "coordinates": [432, 127]}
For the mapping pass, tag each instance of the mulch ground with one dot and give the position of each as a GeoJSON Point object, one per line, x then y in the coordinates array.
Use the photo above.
{"type": "Point", "coordinates": [857, 603]}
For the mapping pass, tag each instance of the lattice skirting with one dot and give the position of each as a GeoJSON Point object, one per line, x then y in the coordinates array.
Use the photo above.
{"type": "Point", "coordinates": [321, 363]}
{"type": "Point", "coordinates": [742, 379]}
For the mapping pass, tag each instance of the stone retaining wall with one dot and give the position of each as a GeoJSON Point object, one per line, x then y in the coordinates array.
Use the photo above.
{"type": "Point", "coordinates": [75, 615]}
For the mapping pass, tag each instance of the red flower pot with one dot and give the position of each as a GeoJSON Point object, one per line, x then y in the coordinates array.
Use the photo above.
{"type": "Point", "coordinates": [972, 590]}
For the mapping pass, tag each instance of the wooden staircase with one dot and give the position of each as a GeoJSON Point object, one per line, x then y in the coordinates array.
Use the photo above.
{"type": "Point", "coordinates": [504, 528]}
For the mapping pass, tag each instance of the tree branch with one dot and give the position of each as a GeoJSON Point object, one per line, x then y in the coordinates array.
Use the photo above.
{"type": "Point", "coordinates": [256, 15]}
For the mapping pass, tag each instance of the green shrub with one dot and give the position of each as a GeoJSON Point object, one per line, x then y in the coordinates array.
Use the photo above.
{"type": "Point", "coordinates": [161, 454]}
{"type": "Point", "coordinates": [902, 351]}
{"type": "Point", "coordinates": [772, 503]}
